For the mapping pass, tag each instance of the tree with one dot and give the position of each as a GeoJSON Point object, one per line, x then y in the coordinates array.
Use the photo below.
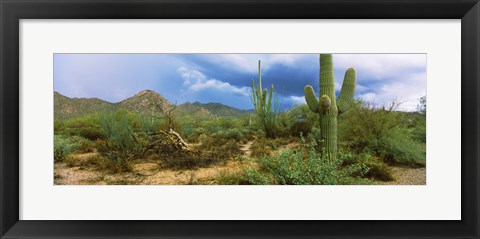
{"type": "Point", "coordinates": [422, 105]}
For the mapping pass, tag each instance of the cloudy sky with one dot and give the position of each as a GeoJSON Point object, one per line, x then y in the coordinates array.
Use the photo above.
{"type": "Point", "coordinates": [226, 78]}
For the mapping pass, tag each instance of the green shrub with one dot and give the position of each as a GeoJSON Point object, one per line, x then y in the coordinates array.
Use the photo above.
{"type": "Point", "coordinates": [236, 178]}
{"type": "Point", "coordinates": [384, 133]}
{"type": "Point", "coordinates": [220, 149]}
{"type": "Point", "coordinates": [188, 127]}
{"type": "Point", "coordinates": [300, 119]}
{"type": "Point", "coordinates": [260, 148]}
{"type": "Point", "coordinates": [58, 125]}
{"type": "Point", "coordinates": [235, 134]}
{"type": "Point", "coordinates": [374, 167]}
{"type": "Point", "coordinates": [300, 127]}
{"type": "Point", "coordinates": [175, 159]}
{"type": "Point", "coordinates": [315, 135]}
{"type": "Point", "coordinates": [85, 126]}
{"type": "Point", "coordinates": [399, 148]}
{"type": "Point", "coordinates": [302, 167]}
{"type": "Point", "coordinates": [266, 146]}
{"type": "Point", "coordinates": [121, 142]}
{"type": "Point", "coordinates": [419, 131]}
{"type": "Point", "coordinates": [62, 146]}
{"type": "Point", "coordinates": [205, 155]}
{"type": "Point", "coordinates": [84, 145]}
{"type": "Point", "coordinates": [148, 124]}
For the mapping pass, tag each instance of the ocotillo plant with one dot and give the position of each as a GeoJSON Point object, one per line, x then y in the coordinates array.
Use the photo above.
{"type": "Point", "coordinates": [328, 106]}
{"type": "Point", "coordinates": [262, 101]}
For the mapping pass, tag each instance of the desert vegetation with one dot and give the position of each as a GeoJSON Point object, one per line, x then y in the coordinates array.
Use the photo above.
{"type": "Point", "coordinates": [329, 141]}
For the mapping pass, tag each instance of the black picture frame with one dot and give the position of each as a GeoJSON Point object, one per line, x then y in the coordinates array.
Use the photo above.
{"type": "Point", "coordinates": [11, 11]}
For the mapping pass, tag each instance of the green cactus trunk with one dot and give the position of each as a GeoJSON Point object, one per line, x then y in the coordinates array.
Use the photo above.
{"type": "Point", "coordinates": [327, 107]}
{"type": "Point", "coordinates": [262, 102]}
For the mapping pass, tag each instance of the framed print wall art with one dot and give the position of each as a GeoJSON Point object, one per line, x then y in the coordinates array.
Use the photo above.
{"type": "Point", "coordinates": [239, 119]}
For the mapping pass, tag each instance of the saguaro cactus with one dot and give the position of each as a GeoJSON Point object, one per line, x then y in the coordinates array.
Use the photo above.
{"type": "Point", "coordinates": [328, 106]}
{"type": "Point", "coordinates": [262, 101]}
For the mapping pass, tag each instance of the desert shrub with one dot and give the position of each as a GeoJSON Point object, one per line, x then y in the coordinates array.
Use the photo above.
{"type": "Point", "coordinates": [302, 167]}
{"type": "Point", "coordinates": [365, 124]}
{"type": "Point", "coordinates": [62, 146]}
{"type": "Point", "coordinates": [188, 126]}
{"type": "Point", "coordinates": [262, 147]}
{"type": "Point", "coordinates": [234, 133]}
{"type": "Point", "coordinates": [220, 123]}
{"type": "Point", "coordinates": [419, 130]}
{"type": "Point", "coordinates": [229, 178]}
{"type": "Point", "coordinates": [210, 126]}
{"type": "Point", "coordinates": [220, 148]}
{"type": "Point", "coordinates": [265, 146]}
{"type": "Point", "coordinates": [148, 124]}
{"type": "Point", "coordinates": [58, 125]}
{"type": "Point", "coordinates": [300, 127]}
{"type": "Point", "coordinates": [399, 148]}
{"type": "Point", "coordinates": [121, 142]}
{"type": "Point", "coordinates": [315, 135]}
{"type": "Point", "coordinates": [229, 122]}
{"type": "Point", "coordinates": [307, 115]}
{"type": "Point", "coordinates": [198, 159]}
{"type": "Point", "coordinates": [374, 167]}
{"type": "Point", "coordinates": [85, 126]}
{"type": "Point", "coordinates": [202, 137]}
{"type": "Point", "coordinates": [381, 132]}
{"type": "Point", "coordinates": [84, 145]}
{"type": "Point", "coordinates": [212, 150]}
{"type": "Point", "coordinates": [298, 119]}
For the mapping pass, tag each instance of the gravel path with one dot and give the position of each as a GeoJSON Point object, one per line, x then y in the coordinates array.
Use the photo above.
{"type": "Point", "coordinates": [409, 176]}
{"type": "Point", "coordinates": [246, 148]}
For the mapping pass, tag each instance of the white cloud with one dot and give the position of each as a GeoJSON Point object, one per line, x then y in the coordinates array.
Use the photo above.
{"type": "Point", "coordinates": [191, 76]}
{"type": "Point", "coordinates": [249, 62]}
{"type": "Point", "coordinates": [369, 97]}
{"type": "Point", "coordinates": [360, 88]}
{"type": "Point", "coordinates": [380, 66]}
{"type": "Point", "coordinates": [337, 86]}
{"type": "Point", "coordinates": [407, 93]}
{"type": "Point", "coordinates": [196, 81]}
{"type": "Point", "coordinates": [298, 100]}
{"type": "Point", "coordinates": [399, 77]}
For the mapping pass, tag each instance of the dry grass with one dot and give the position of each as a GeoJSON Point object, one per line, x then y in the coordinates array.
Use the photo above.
{"type": "Point", "coordinates": [84, 169]}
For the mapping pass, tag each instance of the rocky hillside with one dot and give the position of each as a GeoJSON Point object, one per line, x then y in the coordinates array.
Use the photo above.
{"type": "Point", "coordinates": [216, 109]}
{"type": "Point", "coordinates": [142, 103]}
{"type": "Point", "coordinates": [66, 107]}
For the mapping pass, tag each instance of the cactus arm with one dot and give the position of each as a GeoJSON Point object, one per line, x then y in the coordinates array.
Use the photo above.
{"type": "Point", "coordinates": [311, 98]}
{"type": "Point", "coordinates": [254, 95]}
{"type": "Point", "coordinates": [345, 99]}
{"type": "Point", "coordinates": [269, 103]}
{"type": "Point", "coordinates": [259, 76]}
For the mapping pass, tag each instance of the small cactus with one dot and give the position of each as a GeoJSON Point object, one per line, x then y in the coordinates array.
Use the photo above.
{"type": "Point", "coordinates": [329, 107]}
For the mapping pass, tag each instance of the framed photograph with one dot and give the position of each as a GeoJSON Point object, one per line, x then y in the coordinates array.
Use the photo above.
{"type": "Point", "coordinates": [157, 119]}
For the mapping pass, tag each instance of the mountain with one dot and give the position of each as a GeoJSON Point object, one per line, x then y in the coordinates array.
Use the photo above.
{"type": "Point", "coordinates": [142, 103]}
{"type": "Point", "coordinates": [65, 106]}
{"type": "Point", "coordinates": [216, 109]}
